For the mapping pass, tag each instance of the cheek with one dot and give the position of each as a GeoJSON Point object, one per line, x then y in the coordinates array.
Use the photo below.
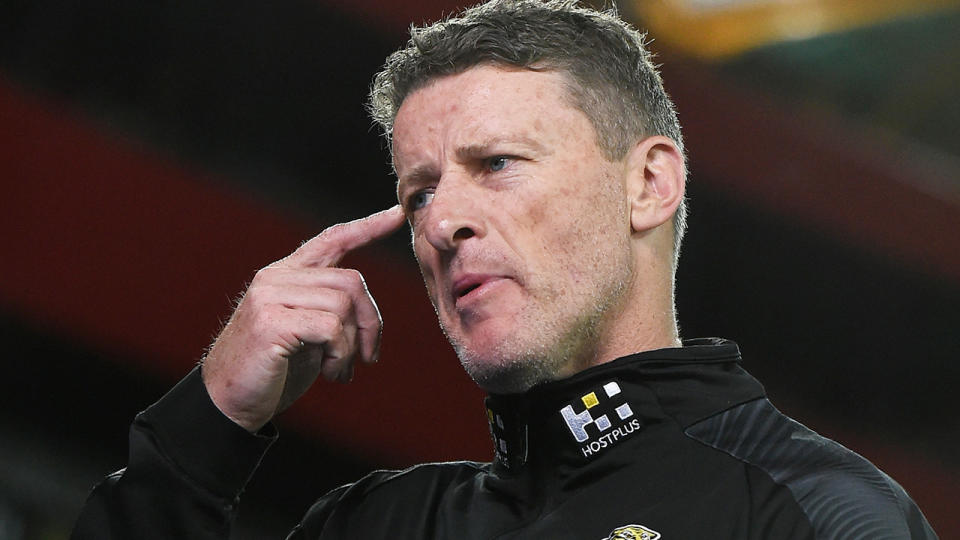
{"type": "Point", "coordinates": [423, 259]}
{"type": "Point", "coordinates": [582, 224]}
{"type": "Point", "coordinates": [428, 263]}
{"type": "Point", "coordinates": [549, 208]}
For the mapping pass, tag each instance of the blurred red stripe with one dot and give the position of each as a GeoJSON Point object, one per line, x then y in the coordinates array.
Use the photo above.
{"type": "Point", "coordinates": [129, 254]}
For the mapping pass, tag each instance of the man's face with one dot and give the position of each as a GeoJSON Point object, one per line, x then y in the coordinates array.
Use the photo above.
{"type": "Point", "coordinates": [520, 224]}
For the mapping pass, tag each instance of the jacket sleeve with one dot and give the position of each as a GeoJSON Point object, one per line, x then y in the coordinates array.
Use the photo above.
{"type": "Point", "coordinates": [188, 464]}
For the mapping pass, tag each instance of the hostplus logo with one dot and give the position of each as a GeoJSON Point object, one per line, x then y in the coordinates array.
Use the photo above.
{"type": "Point", "coordinates": [612, 419]}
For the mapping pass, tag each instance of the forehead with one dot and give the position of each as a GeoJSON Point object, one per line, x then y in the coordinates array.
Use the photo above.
{"type": "Point", "coordinates": [485, 103]}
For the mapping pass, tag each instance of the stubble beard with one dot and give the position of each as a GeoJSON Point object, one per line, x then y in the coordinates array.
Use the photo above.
{"type": "Point", "coordinates": [544, 348]}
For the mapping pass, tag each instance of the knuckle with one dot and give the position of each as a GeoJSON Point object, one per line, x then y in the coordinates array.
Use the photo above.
{"type": "Point", "coordinates": [342, 302]}
{"type": "Point", "coordinates": [264, 277]}
{"type": "Point", "coordinates": [263, 274]}
{"type": "Point", "coordinates": [332, 323]}
{"type": "Point", "coordinates": [334, 353]}
{"type": "Point", "coordinates": [359, 284]}
{"type": "Point", "coordinates": [354, 277]}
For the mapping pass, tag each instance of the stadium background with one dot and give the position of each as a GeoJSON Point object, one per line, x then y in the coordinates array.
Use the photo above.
{"type": "Point", "coordinates": [154, 155]}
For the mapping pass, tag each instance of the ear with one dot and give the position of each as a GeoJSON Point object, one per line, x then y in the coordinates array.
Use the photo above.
{"type": "Point", "coordinates": [656, 180]}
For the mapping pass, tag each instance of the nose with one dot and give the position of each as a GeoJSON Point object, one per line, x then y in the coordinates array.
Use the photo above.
{"type": "Point", "coordinates": [453, 215]}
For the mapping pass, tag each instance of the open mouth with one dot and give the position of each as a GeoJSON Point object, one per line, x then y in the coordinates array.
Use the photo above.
{"type": "Point", "coordinates": [465, 291]}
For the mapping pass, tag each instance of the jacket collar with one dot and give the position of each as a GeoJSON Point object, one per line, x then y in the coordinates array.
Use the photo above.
{"type": "Point", "coordinates": [578, 419]}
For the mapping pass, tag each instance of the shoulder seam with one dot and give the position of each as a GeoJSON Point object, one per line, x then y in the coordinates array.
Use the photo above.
{"type": "Point", "coordinates": [838, 490]}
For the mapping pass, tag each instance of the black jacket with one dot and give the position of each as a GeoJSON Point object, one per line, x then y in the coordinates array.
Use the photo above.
{"type": "Point", "coordinates": [667, 444]}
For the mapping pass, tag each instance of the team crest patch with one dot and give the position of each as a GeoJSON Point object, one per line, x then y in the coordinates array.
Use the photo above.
{"type": "Point", "coordinates": [633, 532]}
{"type": "Point", "coordinates": [606, 419]}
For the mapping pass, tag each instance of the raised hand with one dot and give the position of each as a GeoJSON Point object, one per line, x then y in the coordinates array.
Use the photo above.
{"type": "Point", "coordinates": [300, 317]}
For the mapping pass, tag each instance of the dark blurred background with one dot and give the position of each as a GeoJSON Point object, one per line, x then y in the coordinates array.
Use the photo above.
{"type": "Point", "coordinates": [153, 155]}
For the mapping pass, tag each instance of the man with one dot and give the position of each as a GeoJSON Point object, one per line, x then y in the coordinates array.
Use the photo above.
{"type": "Point", "coordinates": [540, 166]}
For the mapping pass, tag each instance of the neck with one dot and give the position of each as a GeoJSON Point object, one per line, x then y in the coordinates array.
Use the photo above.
{"type": "Point", "coordinates": [645, 319]}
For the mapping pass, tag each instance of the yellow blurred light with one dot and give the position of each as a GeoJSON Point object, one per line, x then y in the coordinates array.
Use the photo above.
{"type": "Point", "coordinates": [720, 28]}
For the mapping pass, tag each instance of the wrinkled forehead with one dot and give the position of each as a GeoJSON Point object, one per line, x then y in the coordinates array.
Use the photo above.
{"type": "Point", "coordinates": [542, 66]}
{"type": "Point", "coordinates": [482, 103]}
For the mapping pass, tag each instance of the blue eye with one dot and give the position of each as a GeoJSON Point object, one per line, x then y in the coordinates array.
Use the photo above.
{"type": "Point", "coordinates": [420, 199]}
{"type": "Point", "coordinates": [497, 163]}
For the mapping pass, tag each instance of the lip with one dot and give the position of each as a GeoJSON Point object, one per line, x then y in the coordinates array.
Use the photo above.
{"type": "Point", "coordinates": [467, 287]}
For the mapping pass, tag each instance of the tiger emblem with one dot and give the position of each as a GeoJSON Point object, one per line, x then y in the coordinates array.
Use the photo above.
{"type": "Point", "coordinates": [633, 532]}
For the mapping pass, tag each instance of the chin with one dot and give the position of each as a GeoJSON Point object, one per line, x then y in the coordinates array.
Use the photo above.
{"type": "Point", "coordinates": [509, 354]}
{"type": "Point", "coordinates": [506, 360]}
{"type": "Point", "coordinates": [500, 369]}
{"type": "Point", "coordinates": [501, 378]}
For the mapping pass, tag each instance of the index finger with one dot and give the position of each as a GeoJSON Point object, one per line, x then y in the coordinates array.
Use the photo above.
{"type": "Point", "coordinates": [330, 246]}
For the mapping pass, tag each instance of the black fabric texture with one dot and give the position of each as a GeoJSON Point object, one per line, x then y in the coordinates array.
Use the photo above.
{"type": "Point", "coordinates": [188, 464]}
{"type": "Point", "coordinates": [668, 444]}
{"type": "Point", "coordinates": [843, 494]}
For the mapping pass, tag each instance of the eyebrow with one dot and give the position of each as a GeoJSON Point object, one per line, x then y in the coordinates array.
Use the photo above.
{"type": "Point", "coordinates": [486, 147]}
{"type": "Point", "coordinates": [418, 174]}
{"type": "Point", "coordinates": [426, 172]}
